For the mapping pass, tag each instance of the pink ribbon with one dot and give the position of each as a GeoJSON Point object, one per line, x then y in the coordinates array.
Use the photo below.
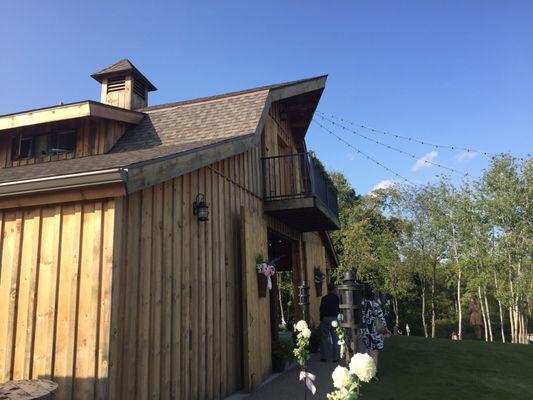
{"type": "Point", "coordinates": [309, 380]}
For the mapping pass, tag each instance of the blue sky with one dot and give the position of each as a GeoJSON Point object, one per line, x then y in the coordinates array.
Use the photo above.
{"type": "Point", "coordinates": [452, 72]}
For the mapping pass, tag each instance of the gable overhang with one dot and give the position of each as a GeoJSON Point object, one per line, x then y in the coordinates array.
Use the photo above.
{"type": "Point", "coordinates": [300, 101]}
{"type": "Point", "coordinates": [69, 111]}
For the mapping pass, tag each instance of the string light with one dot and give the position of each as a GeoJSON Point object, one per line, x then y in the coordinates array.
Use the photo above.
{"type": "Point", "coordinates": [410, 139]}
{"type": "Point", "coordinates": [363, 154]}
{"type": "Point", "coordinates": [413, 156]}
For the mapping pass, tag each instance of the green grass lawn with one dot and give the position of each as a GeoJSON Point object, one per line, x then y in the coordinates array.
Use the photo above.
{"type": "Point", "coordinates": [414, 368]}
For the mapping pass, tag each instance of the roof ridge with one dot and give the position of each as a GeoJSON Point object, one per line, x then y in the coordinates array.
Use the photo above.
{"type": "Point", "coordinates": [224, 95]}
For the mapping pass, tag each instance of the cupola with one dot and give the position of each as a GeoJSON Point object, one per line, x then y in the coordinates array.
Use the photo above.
{"type": "Point", "coordinates": [124, 86]}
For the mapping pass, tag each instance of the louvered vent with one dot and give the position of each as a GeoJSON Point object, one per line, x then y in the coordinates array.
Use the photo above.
{"type": "Point", "coordinates": [139, 89]}
{"type": "Point", "coordinates": [116, 84]}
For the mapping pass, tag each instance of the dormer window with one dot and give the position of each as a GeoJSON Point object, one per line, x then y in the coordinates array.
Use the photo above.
{"type": "Point", "coordinates": [48, 144]}
{"type": "Point", "coordinates": [24, 148]}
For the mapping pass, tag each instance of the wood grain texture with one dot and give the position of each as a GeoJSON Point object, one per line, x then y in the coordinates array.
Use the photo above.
{"type": "Point", "coordinates": [315, 257]}
{"type": "Point", "coordinates": [256, 311]}
{"type": "Point", "coordinates": [190, 274]}
{"type": "Point", "coordinates": [55, 295]}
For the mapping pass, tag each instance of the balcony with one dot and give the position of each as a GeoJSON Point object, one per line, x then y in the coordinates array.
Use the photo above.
{"type": "Point", "coordinates": [299, 193]}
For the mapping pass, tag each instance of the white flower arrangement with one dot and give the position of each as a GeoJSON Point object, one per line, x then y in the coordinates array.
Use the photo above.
{"type": "Point", "coordinates": [300, 326]}
{"type": "Point", "coordinates": [347, 381]}
{"type": "Point", "coordinates": [306, 333]}
{"type": "Point", "coordinates": [341, 377]}
{"type": "Point", "coordinates": [363, 366]}
{"type": "Point", "coordinates": [301, 350]}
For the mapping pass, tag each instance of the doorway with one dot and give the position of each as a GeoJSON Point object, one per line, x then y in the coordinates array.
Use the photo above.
{"type": "Point", "coordinates": [283, 296]}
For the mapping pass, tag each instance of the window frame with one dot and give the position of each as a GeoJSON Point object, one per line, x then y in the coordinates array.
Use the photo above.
{"type": "Point", "coordinates": [52, 144]}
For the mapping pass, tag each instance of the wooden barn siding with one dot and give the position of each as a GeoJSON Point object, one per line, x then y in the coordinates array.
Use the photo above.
{"type": "Point", "coordinates": [315, 256]}
{"type": "Point", "coordinates": [180, 333]}
{"type": "Point", "coordinates": [94, 136]}
{"type": "Point", "coordinates": [256, 313]}
{"type": "Point", "coordinates": [55, 292]}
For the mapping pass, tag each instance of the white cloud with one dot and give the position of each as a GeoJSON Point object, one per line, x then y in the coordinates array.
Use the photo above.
{"type": "Point", "coordinates": [384, 184]}
{"type": "Point", "coordinates": [466, 156]}
{"type": "Point", "coordinates": [422, 162]}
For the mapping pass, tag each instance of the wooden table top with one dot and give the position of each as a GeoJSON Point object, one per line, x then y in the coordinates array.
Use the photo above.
{"type": "Point", "coordinates": [26, 390]}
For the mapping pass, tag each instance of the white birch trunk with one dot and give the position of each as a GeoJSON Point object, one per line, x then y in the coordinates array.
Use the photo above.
{"type": "Point", "coordinates": [482, 313]}
{"type": "Point", "coordinates": [459, 308]}
{"type": "Point", "coordinates": [424, 309]}
{"type": "Point", "coordinates": [489, 324]}
{"type": "Point", "coordinates": [500, 308]}
{"type": "Point", "coordinates": [511, 322]}
{"type": "Point", "coordinates": [501, 320]}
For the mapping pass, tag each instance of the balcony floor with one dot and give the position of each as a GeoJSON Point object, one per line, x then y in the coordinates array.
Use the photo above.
{"type": "Point", "coordinates": [305, 214]}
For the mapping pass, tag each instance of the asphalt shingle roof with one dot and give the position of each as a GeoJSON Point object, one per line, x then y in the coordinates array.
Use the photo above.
{"type": "Point", "coordinates": [120, 66]}
{"type": "Point", "coordinates": [164, 131]}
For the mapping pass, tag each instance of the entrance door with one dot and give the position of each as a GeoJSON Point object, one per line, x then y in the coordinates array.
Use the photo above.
{"type": "Point", "coordinates": [281, 302]}
{"type": "Point", "coordinates": [256, 310]}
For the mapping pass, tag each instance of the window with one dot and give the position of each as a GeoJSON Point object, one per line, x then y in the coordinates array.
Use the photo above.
{"type": "Point", "coordinates": [43, 145]}
{"type": "Point", "coordinates": [26, 147]}
{"type": "Point", "coordinates": [66, 142]}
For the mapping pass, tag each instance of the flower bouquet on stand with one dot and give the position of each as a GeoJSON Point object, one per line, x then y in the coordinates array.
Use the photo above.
{"type": "Point", "coordinates": [361, 368]}
{"type": "Point", "coordinates": [265, 272]}
{"type": "Point", "coordinates": [302, 354]}
{"type": "Point", "coordinates": [347, 381]}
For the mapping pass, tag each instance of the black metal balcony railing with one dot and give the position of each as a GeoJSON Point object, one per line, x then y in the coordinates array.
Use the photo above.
{"type": "Point", "coordinates": [295, 176]}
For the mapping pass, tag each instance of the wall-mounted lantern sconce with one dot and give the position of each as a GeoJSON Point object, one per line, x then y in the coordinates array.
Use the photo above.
{"type": "Point", "coordinates": [283, 115]}
{"type": "Point", "coordinates": [312, 154]}
{"type": "Point", "coordinates": [200, 208]}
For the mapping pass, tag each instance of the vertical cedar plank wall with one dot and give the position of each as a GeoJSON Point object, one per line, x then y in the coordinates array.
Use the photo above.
{"type": "Point", "coordinates": [315, 256]}
{"type": "Point", "coordinates": [256, 311]}
{"type": "Point", "coordinates": [179, 330]}
{"type": "Point", "coordinates": [55, 295]}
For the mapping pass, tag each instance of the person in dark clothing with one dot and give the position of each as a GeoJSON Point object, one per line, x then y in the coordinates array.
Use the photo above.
{"type": "Point", "coordinates": [329, 310]}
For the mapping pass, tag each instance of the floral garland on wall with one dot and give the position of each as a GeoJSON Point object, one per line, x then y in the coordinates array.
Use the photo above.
{"type": "Point", "coordinates": [265, 271]}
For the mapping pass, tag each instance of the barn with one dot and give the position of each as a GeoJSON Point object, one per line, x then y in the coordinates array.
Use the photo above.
{"type": "Point", "coordinates": [130, 235]}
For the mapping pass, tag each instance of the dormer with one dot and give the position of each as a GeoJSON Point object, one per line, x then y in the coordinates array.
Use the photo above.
{"type": "Point", "coordinates": [124, 86]}
{"type": "Point", "coordinates": [80, 129]}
